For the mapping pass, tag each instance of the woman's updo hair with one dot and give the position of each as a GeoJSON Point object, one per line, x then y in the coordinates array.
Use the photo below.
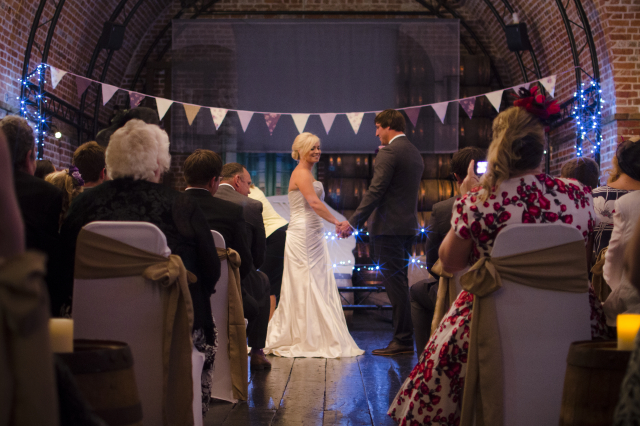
{"type": "Point", "coordinates": [517, 146]}
{"type": "Point", "coordinates": [303, 144]}
{"type": "Point", "coordinates": [626, 160]}
{"type": "Point", "coordinates": [69, 185]}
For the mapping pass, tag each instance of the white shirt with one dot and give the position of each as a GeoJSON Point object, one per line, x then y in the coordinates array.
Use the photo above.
{"type": "Point", "coordinates": [272, 220]}
{"type": "Point", "coordinates": [399, 136]}
{"type": "Point", "coordinates": [227, 185]}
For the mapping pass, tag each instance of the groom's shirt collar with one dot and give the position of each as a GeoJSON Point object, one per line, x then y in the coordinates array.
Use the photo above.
{"type": "Point", "coordinates": [399, 136]}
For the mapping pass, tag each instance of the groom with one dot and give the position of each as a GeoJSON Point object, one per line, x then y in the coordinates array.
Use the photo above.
{"type": "Point", "coordinates": [392, 201]}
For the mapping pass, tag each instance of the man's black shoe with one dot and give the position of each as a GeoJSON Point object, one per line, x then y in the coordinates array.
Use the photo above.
{"type": "Point", "coordinates": [394, 348]}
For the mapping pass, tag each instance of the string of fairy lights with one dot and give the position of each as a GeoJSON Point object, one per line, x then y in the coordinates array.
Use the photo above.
{"type": "Point", "coordinates": [587, 111]}
{"type": "Point", "coordinates": [32, 97]}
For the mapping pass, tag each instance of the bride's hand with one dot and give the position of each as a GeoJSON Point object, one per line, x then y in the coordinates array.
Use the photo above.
{"type": "Point", "coordinates": [343, 229]}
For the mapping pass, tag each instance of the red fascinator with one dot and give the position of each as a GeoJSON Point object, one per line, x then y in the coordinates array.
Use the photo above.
{"type": "Point", "coordinates": [537, 104]}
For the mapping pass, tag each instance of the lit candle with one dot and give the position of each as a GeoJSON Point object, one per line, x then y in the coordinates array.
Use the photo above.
{"type": "Point", "coordinates": [628, 326]}
{"type": "Point", "coordinates": [61, 334]}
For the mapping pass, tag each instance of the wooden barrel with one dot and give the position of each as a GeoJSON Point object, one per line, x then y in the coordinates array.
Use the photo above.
{"type": "Point", "coordinates": [483, 107]}
{"type": "Point", "coordinates": [432, 191]}
{"type": "Point", "coordinates": [595, 370]}
{"type": "Point", "coordinates": [348, 165]}
{"type": "Point", "coordinates": [474, 132]}
{"type": "Point", "coordinates": [436, 166]}
{"type": "Point", "coordinates": [475, 70]}
{"type": "Point", "coordinates": [103, 371]}
{"type": "Point", "coordinates": [345, 193]}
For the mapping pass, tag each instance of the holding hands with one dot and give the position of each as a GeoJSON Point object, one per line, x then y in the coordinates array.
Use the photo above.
{"type": "Point", "coordinates": [344, 229]}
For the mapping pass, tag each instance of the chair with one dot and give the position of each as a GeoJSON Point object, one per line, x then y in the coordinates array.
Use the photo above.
{"type": "Point", "coordinates": [221, 386]}
{"type": "Point", "coordinates": [129, 309]}
{"type": "Point", "coordinates": [536, 328]}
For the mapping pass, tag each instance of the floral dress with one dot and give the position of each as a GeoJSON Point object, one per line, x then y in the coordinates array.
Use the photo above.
{"type": "Point", "coordinates": [432, 394]}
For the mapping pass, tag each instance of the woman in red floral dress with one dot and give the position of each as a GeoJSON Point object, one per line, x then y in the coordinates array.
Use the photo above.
{"type": "Point", "coordinates": [512, 191]}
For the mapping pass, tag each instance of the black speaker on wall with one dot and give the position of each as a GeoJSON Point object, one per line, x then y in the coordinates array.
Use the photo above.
{"type": "Point", "coordinates": [112, 36]}
{"type": "Point", "coordinates": [517, 37]}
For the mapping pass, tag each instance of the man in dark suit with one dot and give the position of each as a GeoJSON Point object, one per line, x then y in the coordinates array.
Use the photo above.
{"type": "Point", "coordinates": [235, 183]}
{"type": "Point", "coordinates": [40, 202]}
{"type": "Point", "coordinates": [422, 304]}
{"type": "Point", "coordinates": [392, 201]}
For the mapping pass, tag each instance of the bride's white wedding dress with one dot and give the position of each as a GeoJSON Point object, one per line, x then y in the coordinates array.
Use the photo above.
{"type": "Point", "coordinates": [309, 321]}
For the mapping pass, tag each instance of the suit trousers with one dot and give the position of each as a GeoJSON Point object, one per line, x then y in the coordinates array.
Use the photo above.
{"type": "Point", "coordinates": [392, 254]}
{"type": "Point", "coordinates": [273, 264]}
{"type": "Point", "coordinates": [422, 296]}
{"type": "Point", "coordinates": [257, 325]}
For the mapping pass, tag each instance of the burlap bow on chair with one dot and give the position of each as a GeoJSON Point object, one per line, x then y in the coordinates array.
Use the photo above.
{"type": "Point", "coordinates": [100, 257]}
{"type": "Point", "coordinates": [600, 286]}
{"type": "Point", "coordinates": [560, 268]}
{"type": "Point", "coordinates": [447, 294]}
{"type": "Point", "coordinates": [236, 327]}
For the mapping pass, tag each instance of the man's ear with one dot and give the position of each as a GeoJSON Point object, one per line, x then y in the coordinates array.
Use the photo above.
{"type": "Point", "coordinates": [103, 174]}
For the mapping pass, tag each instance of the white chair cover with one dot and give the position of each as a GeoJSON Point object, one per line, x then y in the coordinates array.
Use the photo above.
{"type": "Point", "coordinates": [129, 309]}
{"type": "Point", "coordinates": [536, 328]}
{"type": "Point", "coordinates": [222, 387]}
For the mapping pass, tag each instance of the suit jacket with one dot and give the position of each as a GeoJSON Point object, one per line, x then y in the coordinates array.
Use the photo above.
{"type": "Point", "coordinates": [40, 204]}
{"type": "Point", "coordinates": [252, 210]}
{"type": "Point", "coordinates": [439, 226]}
{"type": "Point", "coordinates": [392, 197]}
{"type": "Point", "coordinates": [226, 218]}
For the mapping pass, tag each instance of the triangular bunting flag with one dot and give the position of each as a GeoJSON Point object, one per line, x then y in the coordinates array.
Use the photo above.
{"type": "Point", "coordinates": [163, 106]}
{"type": "Point", "coordinates": [355, 118]}
{"type": "Point", "coordinates": [191, 111]}
{"type": "Point", "coordinates": [327, 120]}
{"type": "Point", "coordinates": [441, 110]}
{"type": "Point", "coordinates": [300, 120]}
{"type": "Point", "coordinates": [135, 98]}
{"type": "Point", "coordinates": [271, 120]}
{"type": "Point", "coordinates": [495, 98]}
{"type": "Point", "coordinates": [218, 114]}
{"type": "Point", "coordinates": [549, 84]}
{"type": "Point", "coordinates": [468, 105]}
{"type": "Point", "coordinates": [517, 88]}
{"type": "Point", "coordinates": [245, 118]}
{"type": "Point", "coordinates": [82, 84]}
{"type": "Point", "coordinates": [107, 92]}
{"type": "Point", "coordinates": [56, 76]}
{"type": "Point", "coordinates": [413, 114]}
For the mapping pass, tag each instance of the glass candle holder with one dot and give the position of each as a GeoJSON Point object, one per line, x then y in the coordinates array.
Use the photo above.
{"type": "Point", "coordinates": [628, 326]}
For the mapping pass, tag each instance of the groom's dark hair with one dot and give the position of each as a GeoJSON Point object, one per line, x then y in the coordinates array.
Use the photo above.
{"type": "Point", "coordinates": [202, 166]}
{"type": "Point", "coordinates": [392, 119]}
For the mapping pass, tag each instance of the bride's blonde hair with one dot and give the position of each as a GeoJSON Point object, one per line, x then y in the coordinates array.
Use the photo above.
{"type": "Point", "coordinates": [303, 144]}
{"type": "Point", "coordinates": [517, 146]}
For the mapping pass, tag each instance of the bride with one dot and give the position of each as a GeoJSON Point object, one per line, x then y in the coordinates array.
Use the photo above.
{"type": "Point", "coordinates": [309, 321]}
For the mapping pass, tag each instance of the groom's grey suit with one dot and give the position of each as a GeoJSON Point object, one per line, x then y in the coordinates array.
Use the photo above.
{"type": "Point", "coordinates": [391, 204]}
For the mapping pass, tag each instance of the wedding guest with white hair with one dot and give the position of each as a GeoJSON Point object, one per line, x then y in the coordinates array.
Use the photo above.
{"type": "Point", "coordinates": [136, 158]}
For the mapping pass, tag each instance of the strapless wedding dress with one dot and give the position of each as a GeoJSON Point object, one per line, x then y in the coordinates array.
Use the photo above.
{"type": "Point", "coordinates": [309, 321]}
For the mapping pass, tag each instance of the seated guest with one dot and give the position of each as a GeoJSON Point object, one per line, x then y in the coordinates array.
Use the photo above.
{"type": "Point", "coordinates": [275, 228]}
{"type": "Point", "coordinates": [70, 182]}
{"type": "Point", "coordinates": [11, 226]}
{"type": "Point", "coordinates": [40, 202]}
{"type": "Point", "coordinates": [202, 173]}
{"type": "Point", "coordinates": [43, 168]}
{"type": "Point", "coordinates": [624, 297]}
{"type": "Point", "coordinates": [89, 159]}
{"type": "Point", "coordinates": [624, 177]}
{"type": "Point", "coordinates": [512, 191]}
{"type": "Point", "coordinates": [422, 306]}
{"type": "Point", "coordinates": [583, 169]}
{"type": "Point", "coordinates": [137, 156]}
{"type": "Point", "coordinates": [235, 185]}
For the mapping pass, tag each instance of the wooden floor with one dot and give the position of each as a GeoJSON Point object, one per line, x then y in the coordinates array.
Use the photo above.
{"type": "Point", "coordinates": [316, 391]}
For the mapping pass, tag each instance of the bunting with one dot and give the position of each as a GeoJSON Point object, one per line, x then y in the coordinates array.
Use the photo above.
{"type": "Point", "coordinates": [413, 114]}
{"type": "Point", "coordinates": [163, 106]}
{"type": "Point", "coordinates": [191, 111]}
{"type": "Point", "coordinates": [218, 115]}
{"type": "Point", "coordinates": [56, 76]}
{"type": "Point", "coordinates": [468, 105]}
{"type": "Point", "coordinates": [245, 118]}
{"type": "Point", "coordinates": [82, 84]}
{"type": "Point", "coordinates": [549, 84]}
{"type": "Point", "coordinates": [495, 98]}
{"type": "Point", "coordinates": [135, 98]}
{"type": "Point", "coordinates": [327, 120]}
{"type": "Point", "coordinates": [107, 92]}
{"type": "Point", "coordinates": [300, 120]}
{"type": "Point", "coordinates": [441, 110]}
{"type": "Point", "coordinates": [271, 120]}
{"type": "Point", "coordinates": [525, 85]}
{"type": "Point", "coordinates": [355, 118]}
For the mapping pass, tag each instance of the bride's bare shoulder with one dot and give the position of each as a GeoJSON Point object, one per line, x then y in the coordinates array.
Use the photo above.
{"type": "Point", "coordinates": [300, 177]}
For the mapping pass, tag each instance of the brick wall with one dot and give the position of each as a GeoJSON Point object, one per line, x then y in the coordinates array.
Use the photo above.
{"type": "Point", "coordinates": [614, 25]}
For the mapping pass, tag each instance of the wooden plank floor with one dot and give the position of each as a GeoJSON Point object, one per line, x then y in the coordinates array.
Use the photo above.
{"type": "Point", "coordinates": [324, 392]}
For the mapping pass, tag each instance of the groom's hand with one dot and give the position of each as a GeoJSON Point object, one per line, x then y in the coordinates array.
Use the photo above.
{"type": "Point", "coordinates": [343, 229]}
